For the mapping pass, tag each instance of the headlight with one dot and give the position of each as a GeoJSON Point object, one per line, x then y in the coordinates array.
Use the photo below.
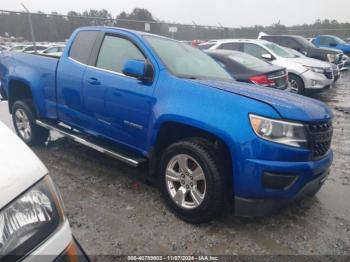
{"type": "Point", "coordinates": [331, 57]}
{"type": "Point", "coordinates": [319, 70]}
{"type": "Point", "coordinates": [283, 132]}
{"type": "Point", "coordinates": [30, 219]}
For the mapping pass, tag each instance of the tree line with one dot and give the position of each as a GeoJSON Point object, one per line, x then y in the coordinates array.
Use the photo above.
{"type": "Point", "coordinates": [57, 27]}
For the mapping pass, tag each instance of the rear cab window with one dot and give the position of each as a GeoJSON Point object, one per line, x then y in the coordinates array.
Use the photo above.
{"type": "Point", "coordinates": [82, 46]}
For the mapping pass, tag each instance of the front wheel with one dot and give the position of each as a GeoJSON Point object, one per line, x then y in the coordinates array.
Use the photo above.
{"type": "Point", "coordinates": [296, 84]}
{"type": "Point", "coordinates": [23, 117]}
{"type": "Point", "coordinates": [191, 182]}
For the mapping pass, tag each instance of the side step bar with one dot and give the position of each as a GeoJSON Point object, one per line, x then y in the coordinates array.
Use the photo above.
{"type": "Point", "coordinates": [121, 155]}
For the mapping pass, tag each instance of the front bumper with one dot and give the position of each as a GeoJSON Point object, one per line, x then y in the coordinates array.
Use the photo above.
{"type": "Point", "coordinates": [316, 81]}
{"type": "Point", "coordinates": [59, 247]}
{"type": "Point", "coordinates": [246, 207]}
{"type": "Point", "coordinates": [74, 252]}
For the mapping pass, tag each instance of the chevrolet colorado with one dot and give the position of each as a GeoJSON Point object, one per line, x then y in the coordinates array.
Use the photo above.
{"type": "Point", "coordinates": [208, 141]}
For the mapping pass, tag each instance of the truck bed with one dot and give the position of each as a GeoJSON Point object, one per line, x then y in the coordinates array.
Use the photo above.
{"type": "Point", "coordinates": [36, 70]}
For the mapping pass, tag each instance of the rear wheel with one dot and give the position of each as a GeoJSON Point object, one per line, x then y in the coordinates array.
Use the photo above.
{"type": "Point", "coordinates": [23, 117]}
{"type": "Point", "coordinates": [296, 84]}
{"type": "Point", "coordinates": [191, 182]}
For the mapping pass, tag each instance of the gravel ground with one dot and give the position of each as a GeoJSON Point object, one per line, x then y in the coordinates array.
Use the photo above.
{"type": "Point", "coordinates": [113, 211]}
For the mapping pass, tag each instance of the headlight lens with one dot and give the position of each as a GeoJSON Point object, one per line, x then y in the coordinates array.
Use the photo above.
{"type": "Point", "coordinates": [283, 132]}
{"type": "Point", "coordinates": [319, 70]}
{"type": "Point", "coordinates": [331, 58]}
{"type": "Point", "coordinates": [30, 219]}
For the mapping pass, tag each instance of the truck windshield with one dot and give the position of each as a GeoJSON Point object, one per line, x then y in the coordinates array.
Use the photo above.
{"type": "Point", "coordinates": [185, 61]}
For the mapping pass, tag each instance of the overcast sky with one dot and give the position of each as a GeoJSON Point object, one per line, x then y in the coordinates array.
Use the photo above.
{"type": "Point", "coordinates": [229, 13]}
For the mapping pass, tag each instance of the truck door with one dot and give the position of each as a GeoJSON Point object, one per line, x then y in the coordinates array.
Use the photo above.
{"type": "Point", "coordinates": [70, 72]}
{"type": "Point", "coordinates": [117, 106]}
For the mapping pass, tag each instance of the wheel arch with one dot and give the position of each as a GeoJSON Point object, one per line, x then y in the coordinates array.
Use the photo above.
{"type": "Point", "coordinates": [18, 89]}
{"type": "Point", "coordinates": [170, 131]}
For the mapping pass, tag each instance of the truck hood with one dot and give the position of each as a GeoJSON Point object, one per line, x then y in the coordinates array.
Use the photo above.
{"type": "Point", "coordinates": [19, 167]}
{"type": "Point", "coordinates": [289, 106]}
{"type": "Point", "coordinates": [324, 50]}
{"type": "Point", "coordinates": [345, 48]}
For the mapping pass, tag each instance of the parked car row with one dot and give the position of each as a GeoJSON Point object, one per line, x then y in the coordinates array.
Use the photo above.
{"type": "Point", "coordinates": [52, 49]}
{"type": "Point", "coordinates": [305, 74]}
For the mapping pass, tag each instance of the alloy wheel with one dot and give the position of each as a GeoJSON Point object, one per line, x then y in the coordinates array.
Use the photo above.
{"type": "Point", "coordinates": [23, 124]}
{"type": "Point", "coordinates": [294, 85]}
{"type": "Point", "coordinates": [185, 181]}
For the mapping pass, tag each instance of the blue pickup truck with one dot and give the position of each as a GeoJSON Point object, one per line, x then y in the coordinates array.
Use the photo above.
{"type": "Point", "coordinates": [333, 42]}
{"type": "Point", "coordinates": [210, 143]}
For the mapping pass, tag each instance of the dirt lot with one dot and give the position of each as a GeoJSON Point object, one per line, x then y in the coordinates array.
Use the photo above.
{"type": "Point", "coordinates": [112, 211]}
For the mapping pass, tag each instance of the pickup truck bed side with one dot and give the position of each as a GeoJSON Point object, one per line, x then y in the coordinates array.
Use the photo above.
{"type": "Point", "coordinates": [38, 73]}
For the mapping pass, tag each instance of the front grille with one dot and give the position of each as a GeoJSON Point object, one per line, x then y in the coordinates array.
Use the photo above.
{"type": "Point", "coordinates": [338, 59]}
{"type": "Point", "coordinates": [328, 73]}
{"type": "Point", "coordinates": [320, 137]}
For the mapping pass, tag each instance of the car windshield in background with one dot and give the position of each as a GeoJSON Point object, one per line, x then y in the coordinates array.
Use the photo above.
{"type": "Point", "coordinates": [185, 61]}
{"type": "Point", "coordinates": [338, 40]}
{"type": "Point", "coordinates": [278, 50]}
{"type": "Point", "coordinates": [17, 48]}
{"type": "Point", "coordinates": [248, 60]}
{"type": "Point", "coordinates": [295, 52]}
{"type": "Point", "coordinates": [304, 41]}
{"type": "Point", "coordinates": [205, 46]}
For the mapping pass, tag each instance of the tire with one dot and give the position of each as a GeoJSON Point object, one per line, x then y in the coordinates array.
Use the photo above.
{"type": "Point", "coordinates": [23, 118]}
{"type": "Point", "coordinates": [297, 84]}
{"type": "Point", "coordinates": [211, 193]}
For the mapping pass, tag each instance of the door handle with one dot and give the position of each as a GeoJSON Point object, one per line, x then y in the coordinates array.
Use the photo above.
{"type": "Point", "coordinates": [93, 81]}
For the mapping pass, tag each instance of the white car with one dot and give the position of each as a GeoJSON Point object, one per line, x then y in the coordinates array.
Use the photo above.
{"type": "Point", "coordinates": [56, 50]}
{"type": "Point", "coordinates": [305, 74]}
{"type": "Point", "coordinates": [32, 221]}
{"type": "Point", "coordinates": [27, 48]}
{"type": "Point", "coordinates": [3, 48]}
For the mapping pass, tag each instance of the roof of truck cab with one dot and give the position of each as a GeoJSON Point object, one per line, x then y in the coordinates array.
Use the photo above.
{"type": "Point", "coordinates": [135, 32]}
{"type": "Point", "coordinates": [326, 36]}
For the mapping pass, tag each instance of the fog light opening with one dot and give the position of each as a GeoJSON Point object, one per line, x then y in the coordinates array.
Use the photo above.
{"type": "Point", "coordinates": [278, 181]}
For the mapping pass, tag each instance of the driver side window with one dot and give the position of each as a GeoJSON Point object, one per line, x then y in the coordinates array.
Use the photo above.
{"type": "Point", "coordinates": [115, 51]}
{"type": "Point", "coordinates": [254, 50]}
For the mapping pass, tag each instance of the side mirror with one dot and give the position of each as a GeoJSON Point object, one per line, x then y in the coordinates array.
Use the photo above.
{"type": "Point", "coordinates": [138, 69]}
{"type": "Point", "coordinates": [267, 57]}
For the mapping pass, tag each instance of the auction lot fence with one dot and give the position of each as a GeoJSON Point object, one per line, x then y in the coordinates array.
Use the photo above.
{"type": "Point", "coordinates": [56, 27]}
